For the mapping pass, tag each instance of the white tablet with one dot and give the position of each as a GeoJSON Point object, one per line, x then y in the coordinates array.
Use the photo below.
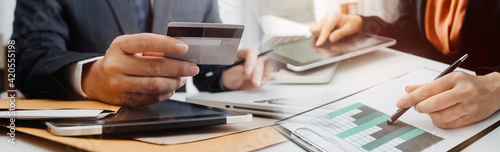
{"type": "Point", "coordinates": [303, 55]}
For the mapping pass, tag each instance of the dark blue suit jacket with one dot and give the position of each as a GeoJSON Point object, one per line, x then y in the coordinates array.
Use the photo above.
{"type": "Point", "coordinates": [478, 36]}
{"type": "Point", "coordinates": [52, 34]}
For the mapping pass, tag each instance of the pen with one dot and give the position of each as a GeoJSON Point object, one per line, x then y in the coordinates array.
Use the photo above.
{"type": "Point", "coordinates": [450, 69]}
{"type": "Point", "coordinates": [208, 74]}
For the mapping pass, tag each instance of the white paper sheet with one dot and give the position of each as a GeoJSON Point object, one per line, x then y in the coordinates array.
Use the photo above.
{"type": "Point", "coordinates": [168, 137]}
{"type": "Point", "coordinates": [59, 113]}
{"type": "Point", "coordinates": [382, 98]}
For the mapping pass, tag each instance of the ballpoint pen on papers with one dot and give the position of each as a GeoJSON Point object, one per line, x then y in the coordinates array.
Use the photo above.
{"type": "Point", "coordinates": [450, 69]}
{"type": "Point", "coordinates": [208, 74]}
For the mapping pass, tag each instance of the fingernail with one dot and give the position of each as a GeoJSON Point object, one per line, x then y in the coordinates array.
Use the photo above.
{"type": "Point", "coordinates": [333, 39]}
{"type": "Point", "coordinates": [194, 69]}
{"type": "Point", "coordinates": [272, 76]}
{"type": "Point", "coordinates": [257, 81]}
{"type": "Point", "coordinates": [248, 70]}
{"type": "Point", "coordinates": [317, 43]}
{"type": "Point", "coordinates": [406, 88]}
{"type": "Point", "coordinates": [181, 47]}
{"type": "Point", "coordinates": [184, 80]}
{"type": "Point", "coordinates": [400, 104]}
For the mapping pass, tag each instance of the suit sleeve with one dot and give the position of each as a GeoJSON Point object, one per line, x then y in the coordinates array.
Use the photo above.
{"type": "Point", "coordinates": [203, 81]}
{"type": "Point", "coordinates": [41, 36]}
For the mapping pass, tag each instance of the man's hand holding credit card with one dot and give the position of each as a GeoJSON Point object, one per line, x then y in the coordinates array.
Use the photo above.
{"type": "Point", "coordinates": [217, 44]}
{"type": "Point", "coordinates": [209, 43]}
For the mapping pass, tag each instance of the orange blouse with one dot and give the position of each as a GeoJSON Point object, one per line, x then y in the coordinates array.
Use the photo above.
{"type": "Point", "coordinates": [443, 21]}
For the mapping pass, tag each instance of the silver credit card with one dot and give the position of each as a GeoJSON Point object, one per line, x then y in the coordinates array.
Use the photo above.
{"type": "Point", "coordinates": [209, 43]}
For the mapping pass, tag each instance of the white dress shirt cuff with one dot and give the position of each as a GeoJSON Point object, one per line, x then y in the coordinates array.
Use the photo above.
{"type": "Point", "coordinates": [75, 77]}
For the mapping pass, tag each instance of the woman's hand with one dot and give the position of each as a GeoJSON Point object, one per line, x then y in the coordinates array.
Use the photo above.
{"type": "Point", "coordinates": [335, 26]}
{"type": "Point", "coordinates": [456, 99]}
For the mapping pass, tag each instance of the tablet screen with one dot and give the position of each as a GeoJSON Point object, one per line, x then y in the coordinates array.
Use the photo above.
{"type": "Point", "coordinates": [305, 52]}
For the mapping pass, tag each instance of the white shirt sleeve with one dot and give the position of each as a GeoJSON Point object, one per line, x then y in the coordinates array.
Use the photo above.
{"type": "Point", "coordinates": [75, 74]}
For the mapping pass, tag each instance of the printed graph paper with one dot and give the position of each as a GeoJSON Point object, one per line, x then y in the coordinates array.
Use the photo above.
{"type": "Point", "coordinates": [366, 129]}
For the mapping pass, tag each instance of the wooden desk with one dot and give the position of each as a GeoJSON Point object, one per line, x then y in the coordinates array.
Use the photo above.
{"type": "Point", "coordinates": [245, 141]}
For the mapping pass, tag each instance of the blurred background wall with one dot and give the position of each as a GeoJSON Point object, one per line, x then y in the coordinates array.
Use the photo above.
{"type": "Point", "coordinates": [6, 19]}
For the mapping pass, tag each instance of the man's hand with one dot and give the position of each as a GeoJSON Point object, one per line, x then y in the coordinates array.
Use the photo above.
{"type": "Point", "coordinates": [456, 99]}
{"type": "Point", "coordinates": [252, 74]}
{"type": "Point", "coordinates": [325, 29]}
{"type": "Point", "coordinates": [125, 77]}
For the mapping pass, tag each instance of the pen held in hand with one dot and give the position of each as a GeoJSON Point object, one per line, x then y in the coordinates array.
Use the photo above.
{"type": "Point", "coordinates": [210, 73]}
{"type": "Point", "coordinates": [450, 69]}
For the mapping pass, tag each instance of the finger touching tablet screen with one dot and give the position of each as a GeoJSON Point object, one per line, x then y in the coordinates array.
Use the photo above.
{"type": "Point", "coordinates": [303, 55]}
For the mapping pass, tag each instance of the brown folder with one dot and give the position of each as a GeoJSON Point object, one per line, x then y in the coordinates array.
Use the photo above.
{"type": "Point", "coordinates": [244, 141]}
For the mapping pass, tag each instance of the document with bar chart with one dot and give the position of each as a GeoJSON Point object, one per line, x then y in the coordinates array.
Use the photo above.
{"type": "Point", "coordinates": [366, 129]}
{"type": "Point", "coordinates": [358, 122]}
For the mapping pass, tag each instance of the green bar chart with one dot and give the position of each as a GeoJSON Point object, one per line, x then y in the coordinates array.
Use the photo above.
{"type": "Point", "coordinates": [366, 129]}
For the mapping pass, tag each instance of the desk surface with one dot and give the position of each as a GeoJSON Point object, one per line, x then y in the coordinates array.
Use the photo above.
{"type": "Point", "coordinates": [353, 75]}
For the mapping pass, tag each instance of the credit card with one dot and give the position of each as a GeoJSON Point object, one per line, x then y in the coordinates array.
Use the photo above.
{"type": "Point", "coordinates": [209, 43]}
